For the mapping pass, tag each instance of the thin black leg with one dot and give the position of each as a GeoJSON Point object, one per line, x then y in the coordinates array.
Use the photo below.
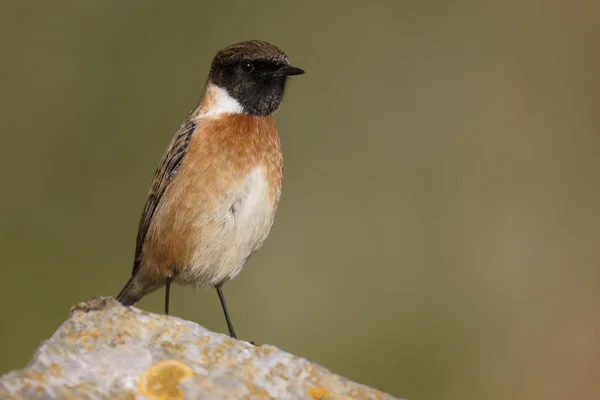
{"type": "Point", "coordinates": [167, 294]}
{"type": "Point", "coordinates": [229, 324]}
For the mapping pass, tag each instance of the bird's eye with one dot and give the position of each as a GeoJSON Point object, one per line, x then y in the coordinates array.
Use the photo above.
{"type": "Point", "coordinates": [246, 67]}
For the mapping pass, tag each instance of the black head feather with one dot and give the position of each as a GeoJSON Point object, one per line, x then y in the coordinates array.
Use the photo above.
{"type": "Point", "coordinates": [254, 73]}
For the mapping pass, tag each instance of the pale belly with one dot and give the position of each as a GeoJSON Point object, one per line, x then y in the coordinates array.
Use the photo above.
{"type": "Point", "coordinates": [227, 235]}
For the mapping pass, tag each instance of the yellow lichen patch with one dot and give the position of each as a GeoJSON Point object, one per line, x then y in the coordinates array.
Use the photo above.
{"type": "Point", "coordinates": [255, 390]}
{"type": "Point", "coordinates": [366, 393]}
{"type": "Point", "coordinates": [90, 335]}
{"type": "Point", "coordinates": [55, 369]}
{"type": "Point", "coordinates": [213, 355]}
{"type": "Point", "coordinates": [83, 387]}
{"type": "Point", "coordinates": [171, 346]}
{"type": "Point", "coordinates": [84, 335]}
{"type": "Point", "coordinates": [279, 370]}
{"type": "Point", "coordinates": [318, 393]}
{"type": "Point", "coordinates": [90, 347]}
{"type": "Point", "coordinates": [283, 377]}
{"type": "Point", "coordinates": [163, 332]}
{"type": "Point", "coordinates": [202, 340]}
{"type": "Point", "coordinates": [161, 379]}
{"type": "Point", "coordinates": [35, 375]}
{"type": "Point", "coordinates": [119, 338]}
{"type": "Point", "coordinates": [68, 394]}
{"type": "Point", "coordinates": [249, 372]}
{"type": "Point", "coordinates": [313, 373]}
{"type": "Point", "coordinates": [264, 350]}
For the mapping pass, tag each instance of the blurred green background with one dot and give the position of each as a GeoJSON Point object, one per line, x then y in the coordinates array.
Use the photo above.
{"type": "Point", "coordinates": [438, 235]}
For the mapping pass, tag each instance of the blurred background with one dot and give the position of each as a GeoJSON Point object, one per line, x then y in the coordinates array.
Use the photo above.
{"type": "Point", "coordinates": [438, 235]}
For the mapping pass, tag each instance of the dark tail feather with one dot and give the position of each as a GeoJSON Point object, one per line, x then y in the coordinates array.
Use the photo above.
{"type": "Point", "coordinates": [127, 296]}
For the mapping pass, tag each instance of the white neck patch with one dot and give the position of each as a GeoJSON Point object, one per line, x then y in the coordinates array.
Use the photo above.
{"type": "Point", "coordinates": [217, 101]}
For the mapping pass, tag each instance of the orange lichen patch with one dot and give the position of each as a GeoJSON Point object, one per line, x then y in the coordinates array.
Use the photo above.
{"type": "Point", "coordinates": [161, 379]}
{"type": "Point", "coordinates": [55, 369]}
{"type": "Point", "coordinates": [318, 393]}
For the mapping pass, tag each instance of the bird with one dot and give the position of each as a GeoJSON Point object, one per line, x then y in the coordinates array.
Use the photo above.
{"type": "Point", "coordinates": [213, 197]}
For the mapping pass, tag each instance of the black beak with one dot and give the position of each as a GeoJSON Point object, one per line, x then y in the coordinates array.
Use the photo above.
{"type": "Point", "coordinates": [288, 70]}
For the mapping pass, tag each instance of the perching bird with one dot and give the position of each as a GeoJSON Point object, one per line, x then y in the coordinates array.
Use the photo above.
{"type": "Point", "coordinates": [214, 195]}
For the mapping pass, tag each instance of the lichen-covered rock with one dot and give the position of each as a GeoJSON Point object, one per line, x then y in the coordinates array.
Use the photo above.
{"type": "Point", "coordinates": [107, 351]}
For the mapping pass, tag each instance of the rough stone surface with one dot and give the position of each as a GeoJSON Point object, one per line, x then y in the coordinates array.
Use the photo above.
{"type": "Point", "coordinates": [107, 351]}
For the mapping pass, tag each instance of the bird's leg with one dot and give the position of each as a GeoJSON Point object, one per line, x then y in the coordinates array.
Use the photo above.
{"type": "Point", "coordinates": [167, 294]}
{"type": "Point", "coordinates": [224, 305]}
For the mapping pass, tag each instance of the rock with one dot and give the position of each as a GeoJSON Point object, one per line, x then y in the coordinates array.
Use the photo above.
{"type": "Point", "coordinates": [107, 351]}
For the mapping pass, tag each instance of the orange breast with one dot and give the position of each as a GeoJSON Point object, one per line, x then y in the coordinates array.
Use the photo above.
{"type": "Point", "coordinates": [222, 151]}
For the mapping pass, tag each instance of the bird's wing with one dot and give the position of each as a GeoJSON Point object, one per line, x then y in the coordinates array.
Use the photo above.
{"type": "Point", "coordinates": [165, 173]}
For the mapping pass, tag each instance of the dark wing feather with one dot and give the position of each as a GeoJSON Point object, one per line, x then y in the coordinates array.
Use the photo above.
{"type": "Point", "coordinates": [165, 173]}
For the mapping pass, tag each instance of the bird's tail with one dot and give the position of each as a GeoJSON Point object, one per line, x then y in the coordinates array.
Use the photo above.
{"type": "Point", "coordinates": [129, 295]}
